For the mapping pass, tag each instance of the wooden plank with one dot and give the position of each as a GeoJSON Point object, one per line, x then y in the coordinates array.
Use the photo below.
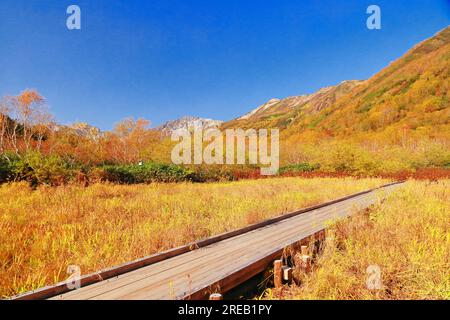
{"type": "Point", "coordinates": [237, 277]}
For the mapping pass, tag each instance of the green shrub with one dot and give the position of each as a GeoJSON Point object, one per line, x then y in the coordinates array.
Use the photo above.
{"type": "Point", "coordinates": [298, 167]}
{"type": "Point", "coordinates": [147, 173]}
{"type": "Point", "coordinates": [39, 169]}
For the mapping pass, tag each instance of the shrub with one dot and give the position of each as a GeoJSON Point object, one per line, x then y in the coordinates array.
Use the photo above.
{"type": "Point", "coordinates": [207, 173]}
{"type": "Point", "coordinates": [350, 159]}
{"type": "Point", "coordinates": [39, 169]}
{"type": "Point", "coordinates": [147, 173]}
{"type": "Point", "coordinates": [299, 167]}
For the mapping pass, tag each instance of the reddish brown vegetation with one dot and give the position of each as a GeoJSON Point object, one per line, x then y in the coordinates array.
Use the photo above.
{"type": "Point", "coordinates": [432, 174]}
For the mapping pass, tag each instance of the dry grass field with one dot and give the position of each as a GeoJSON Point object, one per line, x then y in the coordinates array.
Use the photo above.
{"type": "Point", "coordinates": [43, 231]}
{"type": "Point", "coordinates": [408, 237]}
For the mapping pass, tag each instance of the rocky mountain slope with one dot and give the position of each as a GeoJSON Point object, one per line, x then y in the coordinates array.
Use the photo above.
{"type": "Point", "coordinates": [282, 112]}
{"type": "Point", "coordinates": [317, 101]}
{"type": "Point", "coordinates": [189, 123]}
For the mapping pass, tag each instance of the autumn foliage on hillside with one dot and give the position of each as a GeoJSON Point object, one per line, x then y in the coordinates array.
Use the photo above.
{"type": "Point", "coordinates": [408, 98]}
{"type": "Point", "coordinates": [398, 120]}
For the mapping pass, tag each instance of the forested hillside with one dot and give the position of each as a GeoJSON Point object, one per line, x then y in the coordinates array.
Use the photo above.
{"type": "Point", "coordinates": [409, 96]}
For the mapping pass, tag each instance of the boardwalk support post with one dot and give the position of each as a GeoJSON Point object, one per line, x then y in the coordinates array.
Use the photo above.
{"type": "Point", "coordinates": [304, 250]}
{"type": "Point", "coordinates": [278, 273]}
{"type": "Point", "coordinates": [216, 296]}
{"type": "Point", "coordinates": [305, 260]}
{"type": "Point", "coordinates": [287, 274]}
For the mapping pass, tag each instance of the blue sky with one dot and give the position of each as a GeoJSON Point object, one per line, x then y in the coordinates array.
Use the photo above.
{"type": "Point", "coordinates": [163, 59]}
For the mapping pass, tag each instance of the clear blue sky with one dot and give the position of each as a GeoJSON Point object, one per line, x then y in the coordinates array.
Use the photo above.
{"type": "Point", "coordinates": [162, 59]}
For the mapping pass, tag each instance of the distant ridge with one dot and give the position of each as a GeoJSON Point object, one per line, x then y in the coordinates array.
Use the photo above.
{"type": "Point", "coordinates": [189, 123]}
{"type": "Point", "coordinates": [319, 100]}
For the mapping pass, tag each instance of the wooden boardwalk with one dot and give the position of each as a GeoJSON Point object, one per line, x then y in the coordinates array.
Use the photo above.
{"type": "Point", "coordinates": [222, 265]}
